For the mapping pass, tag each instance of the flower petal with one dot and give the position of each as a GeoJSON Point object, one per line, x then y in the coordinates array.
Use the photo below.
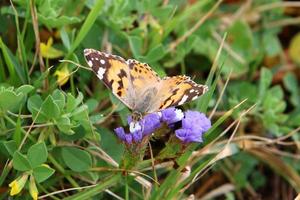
{"type": "Point", "coordinates": [18, 184]}
{"type": "Point", "coordinates": [62, 75]}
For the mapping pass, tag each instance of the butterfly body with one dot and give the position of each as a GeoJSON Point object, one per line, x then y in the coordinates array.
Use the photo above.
{"type": "Point", "coordinates": [138, 86]}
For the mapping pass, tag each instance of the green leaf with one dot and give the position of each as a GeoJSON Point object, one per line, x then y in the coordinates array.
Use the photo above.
{"type": "Point", "coordinates": [241, 36]}
{"type": "Point", "coordinates": [10, 146]}
{"type": "Point", "coordinates": [37, 154]}
{"type": "Point", "coordinates": [50, 108]}
{"type": "Point", "coordinates": [57, 22]}
{"type": "Point", "coordinates": [73, 102]}
{"type": "Point", "coordinates": [135, 45]}
{"type": "Point", "coordinates": [20, 162]}
{"type": "Point", "coordinates": [9, 100]}
{"type": "Point", "coordinates": [111, 145]}
{"type": "Point", "coordinates": [59, 98]}
{"type": "Point", "coordinates": [92, 104]}
{"type": "Point", "coordinates": [88, 23]}
{"type": "Point", "coordinates": [42, 173]}
{"type": "Point", "coordinates": [13, 66]}
{"type": "Point", "coordinates": [65, 38]}
{"type": "Point", "coordinates": [76, 159]}
{"type": "Point", "coordinates": [17, 136]}
{"type": "Point", "coordinates": [64, 124]}
{"type": "Point", "coordinates": [271, 44]}
{"type": "Point", "coordinates": [291, 84]}
{"type": "Point", "coordinates": [264, 81]}
{"type": "Point", "coordinates": [34, 104]}
{"type": "Point", "coordinates": [155, 54]}
{"type": "Point", "coordinates": [25, 89]}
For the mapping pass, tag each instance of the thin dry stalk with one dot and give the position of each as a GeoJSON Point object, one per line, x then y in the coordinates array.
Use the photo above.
{"type": "Point", "coordinates": [37, 39]}
{"type": "Point", "coordinates": [229, 50]}
{"type": "Point", "coordinates": [282, 4]}
{"type": "Point", "coordinates": [220, 97]}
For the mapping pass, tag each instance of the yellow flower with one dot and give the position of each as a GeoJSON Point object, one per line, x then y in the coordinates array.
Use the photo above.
{"type": "Point", "coordinates": [48, 51]}
{"type": "Point", "coordinates": [62, 75]}
{"type": "Point", "coordinates": [18, 184]}
{"type": "Point", "coordinates": [32, 189]}
{"type": "Point", "coordinates": [294, 48]}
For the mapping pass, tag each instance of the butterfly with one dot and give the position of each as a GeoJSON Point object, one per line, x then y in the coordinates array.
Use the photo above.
{"type": "Point", "coordinates": [138, 86]}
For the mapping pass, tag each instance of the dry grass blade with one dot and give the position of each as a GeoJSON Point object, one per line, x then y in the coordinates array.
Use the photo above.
{"type": "Point", "coordinates": [222, 190]}
{"type": "Point", "coordinates": [228, 49]}
{"type": "Point", "coordinates": [282, 4]}
{"type": "Point", "coordinates": [37, 38]}
{"type": "Point", "coordinates": [226, 151]}
{"type": "Point", "coordinates": [220, 97]}
{"type": "Point", "coordinates": [65, 190]}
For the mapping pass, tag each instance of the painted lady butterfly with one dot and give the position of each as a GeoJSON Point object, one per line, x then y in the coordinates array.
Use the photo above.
{"type": "Point", "coordinates": [138, 86]}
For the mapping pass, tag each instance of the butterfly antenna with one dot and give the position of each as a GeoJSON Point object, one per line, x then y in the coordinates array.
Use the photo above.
{"type": "Point", "coordinates": [77, 64]}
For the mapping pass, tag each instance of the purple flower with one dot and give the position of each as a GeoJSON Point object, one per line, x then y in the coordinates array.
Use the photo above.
{"type": "Point", "coordinates": [137, 136]}
{"type": "Point", "coordinates": [171, 115]}
{"type": "Point", "coordinates": [138, 130]}
{"type": "Point", "coordinates": [120, 132]}
{"type": "Point", "coordinates": [128, 138]}
{"type": "Point", "coordinates": [194, 124]}
{"type": "Point", "coordinates": [151, 123]}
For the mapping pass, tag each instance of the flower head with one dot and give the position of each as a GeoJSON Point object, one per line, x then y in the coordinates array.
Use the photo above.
{"type": "Point", "coordinates": [62, 75]}
{"type": "Point", "coordinates": [194, 124]}
{"type": "Point", "coordinates": [172, 115]}
{"type": "Point", "coordinates": [138, 130]}
{"type": "Point", "coordinates": [151, 123]}
{"type": "Point", "coordinates": [48, 51]}
{"type": "Point", "coordinates": [18, 184]}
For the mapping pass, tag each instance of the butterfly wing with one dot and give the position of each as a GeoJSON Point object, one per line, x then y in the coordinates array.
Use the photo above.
{"type": "Point", "coordinates": [114, 72]}
{"type": "Point", "coordinates": [145, 82]}
{"type": "Point", "coordinates": [177, 90]}
{"type": "Point", "coordinates": [138, 86]}
{"type": "Point", "coordinates": [142, 75]}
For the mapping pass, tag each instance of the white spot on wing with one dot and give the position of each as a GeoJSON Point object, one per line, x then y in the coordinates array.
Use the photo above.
{"type": "Point", "coordinates": [90, 63]}
{"type": "Point", "coordinates": [205, 88]}
{"type": "Point", "coordinates": [195, 97]}
{"type": "Point", "coordinates": [192, 90]}
{"type": "Point", "coordinates": [101, 72]}
{"type": "Point", "coordinates": [184, 98]}
{"type": "Point", "coordinates": [102, 61]}
{"type": "Point", "coordinates": [86, 51]}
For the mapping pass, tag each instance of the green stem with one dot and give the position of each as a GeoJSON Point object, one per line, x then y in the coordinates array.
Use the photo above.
{"type": "Point", "coordinates": [126, 188]}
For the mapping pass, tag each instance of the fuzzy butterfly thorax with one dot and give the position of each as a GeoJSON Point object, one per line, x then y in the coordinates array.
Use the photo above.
{"type": "Point", "coordinates": [138, 86]}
